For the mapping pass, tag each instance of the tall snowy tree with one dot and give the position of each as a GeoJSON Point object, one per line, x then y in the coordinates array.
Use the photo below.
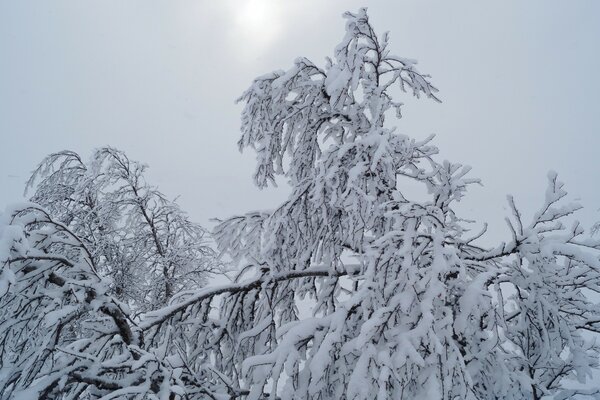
{"type": "Point", "coordinates": [351, 289]}
{"type": "Point", "coordinates": [411, 307]}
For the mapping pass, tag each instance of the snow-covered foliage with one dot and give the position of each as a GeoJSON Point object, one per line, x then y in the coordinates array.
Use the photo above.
{"type": "Point", "coordinates": [144, 241]}
{"type": "Point", "coordinates": [411, 307]}
{"type": "Point", "coordinates": [61, 335]}
{"type": "Point", "coordinates": [351, 289]}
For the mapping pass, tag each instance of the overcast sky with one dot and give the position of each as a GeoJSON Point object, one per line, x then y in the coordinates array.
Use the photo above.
{"type": "Point", "coordinates": [158, 79]}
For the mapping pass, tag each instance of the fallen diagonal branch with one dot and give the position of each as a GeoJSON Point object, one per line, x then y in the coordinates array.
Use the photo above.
{"type": "Point", "coordinates": [157, 317]}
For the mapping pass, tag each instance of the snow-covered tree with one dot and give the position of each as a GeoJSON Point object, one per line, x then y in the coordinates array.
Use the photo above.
{"type": "Point", "coordinates": [62, 335]}
{"type": "Point", "coordinates": [351, 289]}
{"type": "Point", "coordinates": [410, 307]}
{"type": "Point", "coordinates": [135, 234]}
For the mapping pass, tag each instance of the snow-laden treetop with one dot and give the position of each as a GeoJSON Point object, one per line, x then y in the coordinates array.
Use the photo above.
{"type": "Point", "coordinates": [299, 110]}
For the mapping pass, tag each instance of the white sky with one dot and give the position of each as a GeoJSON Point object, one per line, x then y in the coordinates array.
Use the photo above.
{"type": "Point", "coordinates": [158, 79]}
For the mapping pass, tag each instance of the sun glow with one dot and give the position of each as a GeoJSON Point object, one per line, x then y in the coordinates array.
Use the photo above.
{"type": "Point", "coordinates": [254, 13]}
{"type": "Point", "coordinates": [259, 18]}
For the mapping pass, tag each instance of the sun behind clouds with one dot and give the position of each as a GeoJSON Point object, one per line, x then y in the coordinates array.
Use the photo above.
{"type": "Point", "coordinates": [261, 19]}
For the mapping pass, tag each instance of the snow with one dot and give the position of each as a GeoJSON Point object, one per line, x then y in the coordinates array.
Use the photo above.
{"type": "Point", "coordinates": [422, 312]}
